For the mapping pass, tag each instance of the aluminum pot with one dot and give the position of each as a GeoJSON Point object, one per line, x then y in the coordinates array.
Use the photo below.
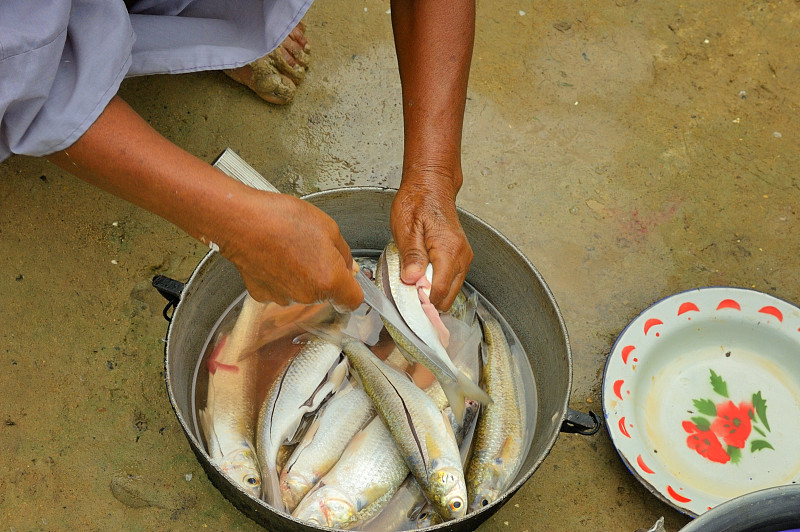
{"type": "Point", "coordinates": [499, 271]}
{"type": "Point", "coordinates": [774, 509]}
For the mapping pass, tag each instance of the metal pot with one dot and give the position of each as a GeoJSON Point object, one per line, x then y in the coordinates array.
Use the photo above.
{"type": "Point", "coordinates": [499, 271]}
{"type": "Point", "coordinates": [768, 510]}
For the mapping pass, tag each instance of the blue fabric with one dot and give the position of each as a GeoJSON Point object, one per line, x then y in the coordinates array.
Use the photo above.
{"type": "Point", "coordinates": [62, 61]}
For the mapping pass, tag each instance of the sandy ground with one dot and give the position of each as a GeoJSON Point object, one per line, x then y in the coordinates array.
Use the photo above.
{"type": "Point", "coordinates": [629, 149]}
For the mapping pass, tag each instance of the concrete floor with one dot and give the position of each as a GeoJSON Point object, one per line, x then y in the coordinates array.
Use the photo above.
{"type": "Point", "coordinates": [629, 149]}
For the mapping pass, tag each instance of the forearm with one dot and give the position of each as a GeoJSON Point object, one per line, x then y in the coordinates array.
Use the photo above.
{"type": "Point", "coordinates": [286, 249]}
{"type": "Point", "coordinates": [434, 48]}
{"type": "Point", "coordinates": [123, 155]}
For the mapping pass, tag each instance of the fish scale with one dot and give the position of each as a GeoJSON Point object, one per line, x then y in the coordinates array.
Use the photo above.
{"type": "Point", "coordinates": [420, 430]}
{"type": "Point", "coordinates": [324, 442]}
{"type": "Point", "coordinates": [314, 373]}
{"type": "Point", "coordinates": [360, 482]}
{"type": "Point", "coordinates": [498, 440]}
{"type": "Point", "coordinates": [406, 298]}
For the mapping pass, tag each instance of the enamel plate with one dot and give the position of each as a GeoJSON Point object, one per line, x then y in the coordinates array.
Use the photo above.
{"type": "Point", "coordinates": [701, 395]}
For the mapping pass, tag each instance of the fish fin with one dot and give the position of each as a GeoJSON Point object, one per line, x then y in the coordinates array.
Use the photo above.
{"type": "Point", "coordinates": [363, 323]}
{"type": "Point", "coordinates": [338, 375]}
{"type": "Point", "coordinates": [308, 438]}
{"type": "Point", "coordinates": [484, 353]}
{"type": "Point", "coordinates": [465, 446]}
{"type": "Point", "coordinates": [472, 308]}
{"type": "Point", "coordinates": [206, 418]}
{"type": "Point", "coordinates": [463, 388]}
{"type": "Point", "coordinates": [271, 485]}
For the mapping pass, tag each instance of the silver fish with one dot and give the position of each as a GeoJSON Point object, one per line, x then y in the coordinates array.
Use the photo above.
{"type": "Point", "coordinates": [401, 512]}
{"type": "Point", "coordinates": [408, 508]}
{"type": "Point", "coordinates": [420, 430]}
{"type": "Point", "coordinates": [317, 371]}
{"type": "Point", "coordinates": [406, 299]}
{"type": "Point", "coordinates": [228, 419]}
{"type": "Point", "coordinates": [362, 481]}
{"type": "Point", "coordinates": [498, 441]}
{"type": "Point", "coordinates": [459, 309]}
{"type": "Point", "coordinates": [339, 420]}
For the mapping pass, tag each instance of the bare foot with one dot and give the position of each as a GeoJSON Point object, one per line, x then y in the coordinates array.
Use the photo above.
{"type": "Point", "coordinates": [275, 76]}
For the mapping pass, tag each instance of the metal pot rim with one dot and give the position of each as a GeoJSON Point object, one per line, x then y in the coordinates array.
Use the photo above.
{"type": "Point", "coordinates": [523, 477]}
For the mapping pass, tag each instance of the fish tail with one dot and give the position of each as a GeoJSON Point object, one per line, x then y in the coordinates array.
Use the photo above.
{"type": "Point", "coordinates": [271, 486]}
{"type": "Point", "coordinates": [460, 390]}
{"type": "Point", "coordinates": [205, 417]}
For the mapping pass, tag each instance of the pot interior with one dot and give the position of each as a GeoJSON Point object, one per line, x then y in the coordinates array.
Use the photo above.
{"type": "Point", "coordinates": [499, 271]}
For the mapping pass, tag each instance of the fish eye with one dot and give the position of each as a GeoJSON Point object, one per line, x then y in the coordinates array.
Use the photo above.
{"type": "Point", "coordinates": [455, 505]}
{"type": "Point", "coordinates": [253, 481]}
{"type": "Point", "coordinates": [423, 516]}
{"type": "Point", "coordinates": [484, 502]}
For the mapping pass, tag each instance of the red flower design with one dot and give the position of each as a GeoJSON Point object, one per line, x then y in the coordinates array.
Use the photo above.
{"type": "Point", "coordinates": [706, 443]}
{"type": "Point", "coordinates": [733, 423]}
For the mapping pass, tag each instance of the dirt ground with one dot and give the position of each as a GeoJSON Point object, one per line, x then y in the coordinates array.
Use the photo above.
{"type": "Point", "coordinates": [630, 149]}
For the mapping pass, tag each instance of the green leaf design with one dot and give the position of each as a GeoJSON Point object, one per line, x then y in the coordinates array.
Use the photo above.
{"type": "Point", "coordinates": [702, 423]}
{"type": "Point", "coordinates": [735, 453]}
{"type": "Point", "coordinates": [757, 445]}
{"type": "Point", "coordinates": [760, 404]}
{"type": "Point", "coordinates": [719, 385]}
{"type": "Point", "coordinates": [757, 429]}
{"type": "Point", "coordinates": [705, 406]}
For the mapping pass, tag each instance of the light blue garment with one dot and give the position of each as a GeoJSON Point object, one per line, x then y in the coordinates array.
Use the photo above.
{"type": "Point", "coordinates": [62, 61]}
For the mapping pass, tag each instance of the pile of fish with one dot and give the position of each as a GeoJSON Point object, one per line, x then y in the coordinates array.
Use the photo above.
{"type": "Point", "coordinates": [366, 426]}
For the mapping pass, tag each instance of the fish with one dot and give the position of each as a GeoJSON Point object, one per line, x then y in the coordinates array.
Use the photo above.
{"type": "Point", "coordinates": [423, 319]}
{"type": "Point", "coordinates": [366, 477]}
{"type": "Point", "coordinates": [324, 442]}
{"type": "Point", "coordinates": [497, 451]}
{"type": "Point", "coordinates": [260, 323]}
{"type": "Point", "coordinates": [363, 480]}
{"type": "Point", "coordinates": [408, 508]}
{"type": "Point", "coordinates": [402, 511]}
{"type": "Point", "coordinates": [460, 308]}
{"type": "Point", "coordinates": [228, 418]}
{"type": "Point", "coordinates": [420, 430]}
{"type": "Point", "coordinates": [316, 371]}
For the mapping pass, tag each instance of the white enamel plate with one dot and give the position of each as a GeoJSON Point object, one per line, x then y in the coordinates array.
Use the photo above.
{"type": "Point", "coordinates": [701, 395]}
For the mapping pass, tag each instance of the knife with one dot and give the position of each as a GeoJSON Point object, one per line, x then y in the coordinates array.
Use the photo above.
{"type": "Point", "coordinates": [378, 301]}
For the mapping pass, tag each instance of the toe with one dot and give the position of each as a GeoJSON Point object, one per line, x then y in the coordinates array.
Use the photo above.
{"type": "Point", "coordinates": [297, 55]}
{"type": "Point", "coordinates": [265, 80]}
{"type": "Point", "coordinates": [284, 63]}
{"type": "Point", "coordinates": [298, 34]}
{"type": "Point", "coordinates": [271, 84]}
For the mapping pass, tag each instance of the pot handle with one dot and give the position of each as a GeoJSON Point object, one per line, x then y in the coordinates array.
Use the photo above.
{"type": "Point", "coordinates": [580, 423]}
{"type": "Point", "coordinates": [171, 290]}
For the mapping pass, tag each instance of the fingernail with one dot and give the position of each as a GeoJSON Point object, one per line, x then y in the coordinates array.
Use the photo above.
{"type": "Point", "coordinates": [411, 273]}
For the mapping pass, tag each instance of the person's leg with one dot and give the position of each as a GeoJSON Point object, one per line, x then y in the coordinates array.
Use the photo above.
{"type": "Point", "coordinates": [275, 76]}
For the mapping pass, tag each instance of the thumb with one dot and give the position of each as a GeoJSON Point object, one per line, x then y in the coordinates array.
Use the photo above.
{"type": "Point", "coordinates": [413, 259]}
{"type": "Point", "coordinates": [348, 295]}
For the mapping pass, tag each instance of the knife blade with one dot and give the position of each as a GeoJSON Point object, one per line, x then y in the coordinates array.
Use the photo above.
{"type": "Point", "coordinates": [378, 301]}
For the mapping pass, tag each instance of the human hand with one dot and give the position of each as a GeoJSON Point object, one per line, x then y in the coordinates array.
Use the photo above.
{"type": "Point", "coordinates": [425, 227]}
{"type": "Point", "coordinates": [288, 250]}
